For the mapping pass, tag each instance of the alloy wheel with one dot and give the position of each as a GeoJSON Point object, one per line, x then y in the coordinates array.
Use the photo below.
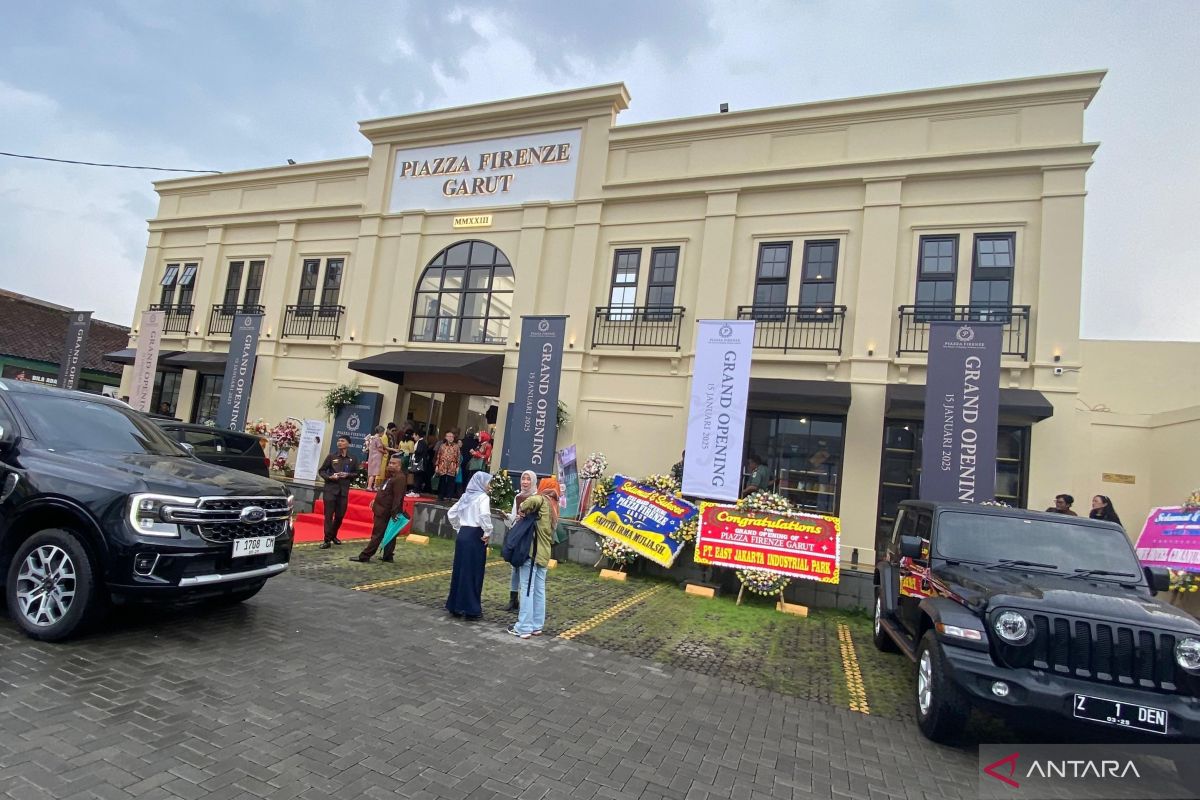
{"type": "Point", "coordinates": [46, 585]}
{"type": "Point", "coordinates": [878, 614]}
{"type": "Point", "coordinates": [925, 683]}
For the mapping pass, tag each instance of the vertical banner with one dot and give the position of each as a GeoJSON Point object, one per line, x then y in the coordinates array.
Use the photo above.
{"type": "Point", "coordinates": [531, 438]}
{"type": "Point", "coordinates": [712, 464]}
{"type": "Point", "coordinates": [962, 409]}
{"type": "Point", "coordinates": [71, 363]}
{"type": "Point", "coordinates": [568, 479]}
{"type": "Point", "coordinates": [356, 422]}
{"type": "Point", "coordinates": [239, 372]}
{"type": "Point", "coordinates": [145, 363]}
{"type": "Point", "coordinates": [309, 453]}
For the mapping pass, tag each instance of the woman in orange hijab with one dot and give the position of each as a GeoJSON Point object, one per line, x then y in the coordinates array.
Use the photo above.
{"type": "Point", "coordinates": [544, 506]}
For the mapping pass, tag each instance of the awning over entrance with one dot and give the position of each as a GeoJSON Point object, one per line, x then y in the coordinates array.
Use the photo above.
{"type": "Point", "coordinates": [129, 354]}
{"type": "Point", "coordinates": [781, 394]}
{"type": "Point", "coordinates": [209, 363]}
{"type": "Point", "coordinates": [1017, 406]}
{"type": "Point", "coordinates": [442, 371]}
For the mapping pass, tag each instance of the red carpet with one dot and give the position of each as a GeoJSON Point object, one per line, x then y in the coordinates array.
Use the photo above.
{"type": "Point", "coordinates": [356, 525]}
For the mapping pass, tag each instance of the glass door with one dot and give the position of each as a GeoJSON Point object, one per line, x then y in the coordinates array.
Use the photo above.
{"type": "Point", "coordinates": [208, 398]}
{"type": "Point", "coordinates": [803, 454]}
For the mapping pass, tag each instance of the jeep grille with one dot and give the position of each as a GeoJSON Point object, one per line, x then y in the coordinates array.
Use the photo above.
{"type": "Point", "coordinates": [1104, 652]}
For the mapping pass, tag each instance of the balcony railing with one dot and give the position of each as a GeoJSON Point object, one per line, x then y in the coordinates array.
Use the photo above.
{"type": "Point", "coordinates": [637, 326]}
{"type": "Point", "coordinates": [220, 321]}
{"type": "Point", "coordinates": [313, 322]}
{"type": "Point", "coordinates": [178, 319]}
{"type": "Point", "coordinates": [800, 328]}
{"type": "Point", "coordinates": [915, 320]}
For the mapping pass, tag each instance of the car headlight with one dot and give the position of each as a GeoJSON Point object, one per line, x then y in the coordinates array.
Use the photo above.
{"type": "Point", "coordinates": [1012, 627]}
{"type": "Point", "coordinates": [149, 514]}
{"type": "Point", "coordinates": [1187, 653]}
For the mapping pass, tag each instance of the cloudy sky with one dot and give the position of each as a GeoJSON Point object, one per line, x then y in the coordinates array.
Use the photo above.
{"type": "Point", "coordinates": [233, 85]}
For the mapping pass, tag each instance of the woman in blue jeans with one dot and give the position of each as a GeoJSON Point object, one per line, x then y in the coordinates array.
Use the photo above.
{"type": "Point", "coordinates": [528, 487]}
{"type": "Point", "coordinates": [544, 505]}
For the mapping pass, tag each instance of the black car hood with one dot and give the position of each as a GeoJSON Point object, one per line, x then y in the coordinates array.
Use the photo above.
{"type": "Point", "coordinates": [984, 589]}
{"type": "Point", "coordinates": [179, 475]}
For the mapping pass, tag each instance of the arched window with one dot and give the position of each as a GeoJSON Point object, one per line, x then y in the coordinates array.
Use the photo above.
{"type": "Point", "coordinates": [465, 295]}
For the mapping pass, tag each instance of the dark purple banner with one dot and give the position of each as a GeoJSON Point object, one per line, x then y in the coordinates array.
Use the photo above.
{"type": "Point", "coordinates": [962, 407]}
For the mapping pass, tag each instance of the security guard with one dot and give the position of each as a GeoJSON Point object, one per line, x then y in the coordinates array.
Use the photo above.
{"type": "Point", "coordinates": [338, 470]}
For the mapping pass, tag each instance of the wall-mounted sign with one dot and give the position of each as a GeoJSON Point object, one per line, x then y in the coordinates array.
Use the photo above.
{"type": "Point", "coordinates": [477, 221]}
{"type": "Point", "coordinates": [1117, 477]}
{"type": "Point", "coordinates": [491, 172]}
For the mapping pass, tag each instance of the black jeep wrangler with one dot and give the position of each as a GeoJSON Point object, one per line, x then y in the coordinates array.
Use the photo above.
{"type": "Point", "coordinates": [1034, 614]}
{"type": "Point", "coordinates": [97, 504]}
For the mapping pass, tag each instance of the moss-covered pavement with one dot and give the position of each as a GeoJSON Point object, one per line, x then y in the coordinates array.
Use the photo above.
{"type": "Point", "coordinates": [754, 643]}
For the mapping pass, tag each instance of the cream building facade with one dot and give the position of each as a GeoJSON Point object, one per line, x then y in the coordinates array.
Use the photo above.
{"type": "Point", "coordinates": [842, 227]}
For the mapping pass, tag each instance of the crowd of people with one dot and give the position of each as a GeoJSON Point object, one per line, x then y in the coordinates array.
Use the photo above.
{"type": "Point", "coordinates": [399, 463]}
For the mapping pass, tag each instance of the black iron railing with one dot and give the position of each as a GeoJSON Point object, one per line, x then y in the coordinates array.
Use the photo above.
{"type": "Point", "coordinates": [915, 321]}
{"type": "Point", "coordinates": [177, 319]}
{"type": "Point", "coordinates": [313, 322]}
{"type": "Point", "coordinates": [790, 328]}
{"type": "Point", "coordinates": [220, 321]}
{"type": "Point", "coordinates": [637, 326]}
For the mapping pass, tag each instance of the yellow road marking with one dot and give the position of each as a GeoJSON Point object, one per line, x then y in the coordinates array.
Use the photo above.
{"type": "Point", "coordinates": [603, 616]}
{"type": "Point", "coordinates": [854, 681]}
{"type": "Point", "coordinates": [411, 579]}
{"type": "Point", "coordinates": [307, 545]}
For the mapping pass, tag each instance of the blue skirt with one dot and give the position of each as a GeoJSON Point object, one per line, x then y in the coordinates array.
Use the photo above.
{"type": "Point", "coordinates": [466, 578]}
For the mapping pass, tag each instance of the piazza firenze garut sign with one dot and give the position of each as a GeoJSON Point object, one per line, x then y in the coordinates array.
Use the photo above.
{"type": "Point", "coordinates": [491, 172]}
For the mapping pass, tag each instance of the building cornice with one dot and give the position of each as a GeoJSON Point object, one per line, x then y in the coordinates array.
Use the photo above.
{"type": "Point", "coordinates": [268, 176]}
{"type": "Point", "coordinates": [953, 100]}
{"type": "Point", "coordinates": [545, 109]}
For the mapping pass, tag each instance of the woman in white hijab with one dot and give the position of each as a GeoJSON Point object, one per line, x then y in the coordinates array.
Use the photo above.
{"type": "Point", "coordinates": [527, 490]}
{"type": "Point", "coordinates": [471, 516]}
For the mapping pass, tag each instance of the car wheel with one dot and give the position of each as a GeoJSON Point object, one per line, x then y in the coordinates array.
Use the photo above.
{"type": "Point", "coordinates": [942, 708]}
{"type": "Point", "coordinates": [882, 640]}
{"type": "Point", "coordinates": [52, 587]}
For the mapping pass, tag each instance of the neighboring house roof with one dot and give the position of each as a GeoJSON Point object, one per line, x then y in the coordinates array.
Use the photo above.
{"type": "Point", "coordinates": [36, 330]}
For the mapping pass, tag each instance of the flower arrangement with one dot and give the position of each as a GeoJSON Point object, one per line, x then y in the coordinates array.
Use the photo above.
{"type": "Point", "coordinates": [285, 435]}
{"type": "Point", "coordinates": [663, 483]}
{"type": "Point", "coordinates": [619, 554]}
{"type": "Point", "coordinates": [339, 397]}
{"type": "Point", "coordinates": [1192, 503]}
{"type": "Point", "coordinates": [760, 581]}
{"type": "Point", "coordinates": [359, 481]}
{"type": "Point", "coordinates": [766, 502]}
{"type": "Point", "coordinates": [1183, 581]}
{"type": "Point", "coordinates": [258, 428]}
{"type": "Point", "coordinates": [601, 491]}
{"type": "Point", "coordinates": [996, 503]}
{"type": "Point", "coordinates": [594, 467]}
{"type": "Point", "coordinates": [562, 416]}
{"type": "Point", "coordinates": [502, 492]}
{"type": "Point", "coordinates": [280, 464]}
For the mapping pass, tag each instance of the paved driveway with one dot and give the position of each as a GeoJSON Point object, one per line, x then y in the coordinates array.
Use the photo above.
{"type": "Point", "coordinates": [314, 691]}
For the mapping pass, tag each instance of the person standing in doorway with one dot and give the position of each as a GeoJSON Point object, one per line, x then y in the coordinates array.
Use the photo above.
{"type": "Point", "coordinates": [544, 506]}
{"type": "Point", "coordinates": [760, 476]}
{"type": "Point", "coordinates": [471, 516]}
{"type": "Point", "coordinates": [1102, 508]}
{"type": "Point", "coordinates": [449, 461]}
{"type": "Point", "coordinates": [338, 470]}
{"type": "Point", "coordinates": [526, 491]}
{"type": "Point", "coordinates": [423, 463]}
{"type": "Point", "coordinates": [388, 502]}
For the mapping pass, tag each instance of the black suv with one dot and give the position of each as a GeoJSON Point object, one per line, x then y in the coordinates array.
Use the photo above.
{"type": "Point", "coordinates": [98, 504]}
{"type": "Point", "coordinates": [1034, 614]}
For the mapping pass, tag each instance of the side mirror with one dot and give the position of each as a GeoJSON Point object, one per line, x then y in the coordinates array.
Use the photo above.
{"type": "Point", "coordinates": [910, 546]}
{"type": "Point", "coordinates": [8, 439]}
{"type": "Point", "coordinates": [1159, 578]}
